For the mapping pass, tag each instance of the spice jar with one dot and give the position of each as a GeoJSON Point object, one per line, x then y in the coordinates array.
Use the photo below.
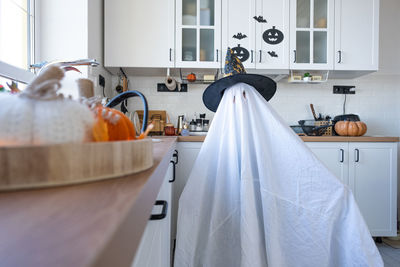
{"type": "Point", "coordinates": [206, 125]}
{"type": "Point", "coordinates": [199, 125]}
{"type": "Point", "coordinates": [169, 129]}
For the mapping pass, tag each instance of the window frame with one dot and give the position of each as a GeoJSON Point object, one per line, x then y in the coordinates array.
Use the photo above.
{"type": "Point", "coordinates": [15, 73]}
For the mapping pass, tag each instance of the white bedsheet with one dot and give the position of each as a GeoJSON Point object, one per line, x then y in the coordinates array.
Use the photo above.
{"type": "Point", "coordinates": [257, 196]}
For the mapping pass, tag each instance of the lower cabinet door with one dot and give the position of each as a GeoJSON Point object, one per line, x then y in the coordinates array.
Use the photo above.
{"type": "Point", "coordinates": [155, 247]}
{"type": "Point", "coordinates": [373, 180]}
{"type": "Point", "coordinates": [334, 156]}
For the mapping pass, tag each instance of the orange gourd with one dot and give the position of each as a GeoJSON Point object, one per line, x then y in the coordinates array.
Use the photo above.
{"type": "Point", "coordinates": [118, 126]}
{"type": "Point", "coordinates": [191, 77]}
{"type": "Point", "coordinates": [350, 128]}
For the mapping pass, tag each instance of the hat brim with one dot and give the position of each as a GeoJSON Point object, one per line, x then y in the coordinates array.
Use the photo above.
{"type": "Point", "coordinates": [213, 93]}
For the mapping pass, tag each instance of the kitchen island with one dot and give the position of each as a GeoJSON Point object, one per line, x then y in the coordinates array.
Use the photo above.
{"type": "Point", "coordinates": [92, 224]}
{"type": "Point", "coordinates": [101, 223]}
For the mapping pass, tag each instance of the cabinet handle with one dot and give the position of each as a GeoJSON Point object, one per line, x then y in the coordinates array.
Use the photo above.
{"type": "Point", "coordinates": [252, 56]}
{"type": "Point", "coordinates": [357, 155]}
{"type": "Point", "coordinates": [175, 155]}
{"type": "Point", "coordinates": [260, 55]}
{"type": "Point", "coordinates": [173, 171]}
{"type": "Point", "coordinates": [295, 56]}
{"type": "Point", "coordinates": [341, 155]}
{"type": "Point", "coordinates": [170, 54]}
{"type": "Point", "coordinates": [163, 214]}
{"type": "Point", "coordinates": [340, 56]}
{"type": "Point", "coordinates": [217, 56]}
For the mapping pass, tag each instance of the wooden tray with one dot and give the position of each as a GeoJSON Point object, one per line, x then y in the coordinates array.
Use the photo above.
{"type": "Point", "coordinates": [24, 167]}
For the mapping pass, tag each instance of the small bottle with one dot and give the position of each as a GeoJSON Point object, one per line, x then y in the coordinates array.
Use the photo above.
{"type": "Point", "coordinates": [206, 125]}
{"type": "Point", "coordinates": [199, 125]}
{"type": "Point", "coordinates": [192, 126]}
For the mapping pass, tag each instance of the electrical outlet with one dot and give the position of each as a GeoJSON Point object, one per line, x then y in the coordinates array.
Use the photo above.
{"type": "Point", "coordinates": [102, 81]}
{"type": "Point", "coordinates": [344, 89]}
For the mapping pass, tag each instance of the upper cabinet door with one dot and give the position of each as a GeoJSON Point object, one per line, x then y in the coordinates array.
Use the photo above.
{"type": "Point", "coordinates": [238, 30]}
{"type": "Point", "coordinates": [311, 34]}
{"type": "Point", "coordinates": [198, 33]}
{"type": "Point", "coordinates": [272, 34]}
{"type": "Point", "coordinates": [139, 33]}
{"type": "Point", "coordinates": [356, 34]}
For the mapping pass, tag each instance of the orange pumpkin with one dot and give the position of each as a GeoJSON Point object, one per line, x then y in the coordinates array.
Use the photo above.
{"type": "Point", "coordinates": [350, 128]}
{"type": "Point", "coordinates": [191, 77]}
{"type": "Point", "coordinates": [119, 127]}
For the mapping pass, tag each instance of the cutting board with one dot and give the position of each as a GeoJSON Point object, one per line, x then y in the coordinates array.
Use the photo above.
{"type": "Point", "coordinates": [25, 167]}
{"type": "Point", "coordinates": [158, 117]}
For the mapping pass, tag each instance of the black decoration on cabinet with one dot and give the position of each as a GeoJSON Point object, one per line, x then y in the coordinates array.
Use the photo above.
{"type": "Point", "coordinates": [260, 19]}
{"type": "Point", "coordinates": [239, 36]}
{"type": "Point", "coordinates": [272, 54]}
{"type": "Point", "coordinates": [241, 53]}
{"type": "Point", "coordinates": [273, 36]}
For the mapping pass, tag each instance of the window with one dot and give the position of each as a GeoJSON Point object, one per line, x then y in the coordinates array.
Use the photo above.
{"type": "Point", "coordinates": [16, 39]}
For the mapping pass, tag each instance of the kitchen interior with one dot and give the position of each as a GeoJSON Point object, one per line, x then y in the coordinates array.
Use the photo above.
{"type": "Point", "coordinates": [335, 63]}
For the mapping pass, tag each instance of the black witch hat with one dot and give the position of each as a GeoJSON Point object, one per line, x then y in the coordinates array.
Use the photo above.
{"type": "Point", "coordinates": [235, 73]}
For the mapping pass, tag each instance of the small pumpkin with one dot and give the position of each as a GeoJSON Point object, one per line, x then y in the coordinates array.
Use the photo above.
{"type": "Point", "coordinates": [40, 115]}
{"type": "Point", "coordinates": [119, 126]}
{"type": "Point", "coordinates": [350, 128]}
{"type": "Point", "coordinates": [191, 77]}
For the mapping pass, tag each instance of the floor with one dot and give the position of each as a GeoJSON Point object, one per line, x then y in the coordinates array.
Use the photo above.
{"type": "Point", "coordinates": [390, 256]}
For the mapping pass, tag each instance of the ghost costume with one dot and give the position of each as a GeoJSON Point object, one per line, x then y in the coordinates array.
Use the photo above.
{"type": "Point", "coordinates": [257, 196]}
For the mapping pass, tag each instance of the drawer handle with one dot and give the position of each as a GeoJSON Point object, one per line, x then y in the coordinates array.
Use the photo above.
{"type": "Point", "coordinates": [340, 56]}
{"type": "Point", "coordinates": [163, 214]}
{"type": "Point", "coordinates": [341, 155]}
{"type": "Point", "coordinates": [357, 155]}
{"type": "Point", "coordinates": [173, 171]}
{"type": "Point", "coordinates": [175, 155]}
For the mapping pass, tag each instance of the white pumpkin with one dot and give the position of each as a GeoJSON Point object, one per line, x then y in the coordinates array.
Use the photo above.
{"type": "Point", "coordinates": [39, 115]}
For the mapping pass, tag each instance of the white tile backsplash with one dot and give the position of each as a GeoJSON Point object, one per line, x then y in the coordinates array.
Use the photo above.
{"type": "Point", "coordinates": [377, 100]}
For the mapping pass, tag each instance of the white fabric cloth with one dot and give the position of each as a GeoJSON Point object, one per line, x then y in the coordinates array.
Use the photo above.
{"type": "Point", "coordinates": [257, 196]}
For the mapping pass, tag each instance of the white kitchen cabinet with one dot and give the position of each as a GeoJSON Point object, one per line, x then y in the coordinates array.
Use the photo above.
{"type": "Point", "coordinates": [139, 33]}
{"type": "Point", "coordinates": [370, 170]}
{"type": "Point", "coordinates": [272, 37]}
{"type": "Point", "coordinates": [155, 246]}
{"type": "Point", "coordinates": [311, 34]}
{"type": "Point", "coordinates": [335, 157]}
{"type": "Point", "coordinates": [356, 34]}
{"type": "Point", "coordinates": [188, 152]}
{"type": "Point", "coordinates": [198, 34]}
{"type": "Point", "coordinates": [257, 31]}
{"type": "Point", "coordinates": [239, 30]}
{"type": "Point", "coordinates": [373, 180]}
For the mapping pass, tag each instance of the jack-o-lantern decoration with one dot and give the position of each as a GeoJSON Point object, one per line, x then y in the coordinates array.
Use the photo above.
{"type": "Point", "coordinates": [241, 53]}
{"type": "Point", "coordinates": [273, 36]}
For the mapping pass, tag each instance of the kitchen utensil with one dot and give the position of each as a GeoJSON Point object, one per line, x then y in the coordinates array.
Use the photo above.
{"type": "Point", "coordinates": [297, 129]}
{"type": "Point", "coordinates": [143, 135]}
{"type": "Point", "coordinates": [313, 111]}
{"type": "Point", "coordinates": [309, 127]}
{"type": "Point", "coordinates": [179, 124]}
{"type": "Point", "coordinates": [346, 117]}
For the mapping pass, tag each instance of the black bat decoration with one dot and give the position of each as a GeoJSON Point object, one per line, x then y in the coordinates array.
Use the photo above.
{"type": "Point", "coordinates": [239, 36]}
{"type": "Point", "coordinates": [272, 54]}
{"type": "Point", "coordinates": [260, 19]}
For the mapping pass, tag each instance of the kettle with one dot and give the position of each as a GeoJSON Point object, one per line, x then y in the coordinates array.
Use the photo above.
{"type": "Point", "coordinates": [128, 94]}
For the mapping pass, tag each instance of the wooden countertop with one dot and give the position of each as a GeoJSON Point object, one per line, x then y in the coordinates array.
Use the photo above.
{"type": "Point", "coordinates": [314, 139]}
{"type": "Point", "coordinates": [93, 224]}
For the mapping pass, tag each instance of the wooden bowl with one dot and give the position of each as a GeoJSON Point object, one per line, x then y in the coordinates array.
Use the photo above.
{"type": "Point", "coordinates": [64, 164]}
